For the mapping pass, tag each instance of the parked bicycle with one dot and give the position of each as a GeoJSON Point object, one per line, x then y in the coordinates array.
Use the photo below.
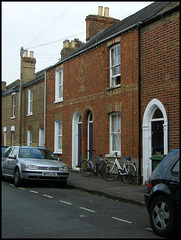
{"type": "Point", "coordinates": [93, 164]}
{"type": "Point", "coordinates": [111, 170]}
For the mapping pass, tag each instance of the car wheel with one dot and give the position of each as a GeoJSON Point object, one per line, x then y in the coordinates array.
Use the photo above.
{"type": "Point", "coordinates": [162, 216]}
{"type": "Point", "coordinates": [17, 179]}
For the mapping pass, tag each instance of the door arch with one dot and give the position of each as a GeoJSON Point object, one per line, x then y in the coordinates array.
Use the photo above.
{"type": "Point", "coordinates": [76, 140]}
{"type": "Point", "coordinates": [149, 119]}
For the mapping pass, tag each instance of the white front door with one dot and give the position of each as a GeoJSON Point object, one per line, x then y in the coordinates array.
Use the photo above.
{"type": "Point", "coordinates": [76, 141]}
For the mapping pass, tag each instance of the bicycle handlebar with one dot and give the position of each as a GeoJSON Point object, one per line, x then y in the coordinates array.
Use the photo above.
{"type": "Point", "coordinates": [127, 158]}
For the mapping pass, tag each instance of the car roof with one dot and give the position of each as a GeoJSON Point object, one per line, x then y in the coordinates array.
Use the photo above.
{"type": "Point", "coordinates": [167, 162]}
{"type": "Point", "coordinates": [29, 147]}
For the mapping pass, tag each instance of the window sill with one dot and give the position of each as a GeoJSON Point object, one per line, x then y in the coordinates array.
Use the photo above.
{"type": "Point", "coordinates": [58, 101]}
{"type": "Point", "coordinates": [56, 152]}
{"type": "Point", "coordinates": [29, 114]}
{"type": "Point", "coordinates": [12, 117]}
{"type": "Point", "coordinates": [113, 87]}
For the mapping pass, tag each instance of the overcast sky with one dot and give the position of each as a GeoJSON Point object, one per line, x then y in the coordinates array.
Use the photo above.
{"type": "Point", "coordinates": [43, 26]}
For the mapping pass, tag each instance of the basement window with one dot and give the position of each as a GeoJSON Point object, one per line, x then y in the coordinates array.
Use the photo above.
{"type": "Point", "coordinates": [115, 60]}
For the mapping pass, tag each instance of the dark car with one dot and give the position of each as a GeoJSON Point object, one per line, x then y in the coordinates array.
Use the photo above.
{"type": "Point", "coordinates": [162, 196]}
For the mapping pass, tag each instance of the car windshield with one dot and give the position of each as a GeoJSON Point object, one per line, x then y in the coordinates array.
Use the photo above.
{"type": "Point", "coordinates": [36, 153]}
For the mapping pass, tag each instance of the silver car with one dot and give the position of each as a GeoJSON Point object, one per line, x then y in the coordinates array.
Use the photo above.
{"type": "Point", "coordinates": [33, 163]}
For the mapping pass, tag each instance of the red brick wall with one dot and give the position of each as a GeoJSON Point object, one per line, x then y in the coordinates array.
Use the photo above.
{"type": "Point", "coordinates": [86, 82]}
{"type": "Point", "coordinates": [160, 69]}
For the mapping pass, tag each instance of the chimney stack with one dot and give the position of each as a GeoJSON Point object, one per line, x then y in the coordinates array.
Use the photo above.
{"type": "Point", "coordinates": [69, 47]}
{"type": "Point", "coordinates": [96, 23]}
{"type": "Point", "coordinates": [28, 66]}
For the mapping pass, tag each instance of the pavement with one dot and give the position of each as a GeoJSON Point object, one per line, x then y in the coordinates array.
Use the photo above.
{"type": "Point", "coordinates": [117, 190]}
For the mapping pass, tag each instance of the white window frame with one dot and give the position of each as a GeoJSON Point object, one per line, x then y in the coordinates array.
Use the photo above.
{"type": "Point", "coordinates": [29, 138]}
{"type": "Point", "coordinates": [41, 137]}
{"type": "Point", "coordinates": [118, 132]}
{"type": "Point", "coordinates": [4, 132]}
{"type": "Point", "coordinates": [117, 63]}
{"type": "Point", "coordinates": [30, 102]}
{"type": "Point", "coordinates": [59, 85]}
{"type": "Point", "coordinates": [13, 105]}
{"type": "Point", "coordinates": [57, 137]}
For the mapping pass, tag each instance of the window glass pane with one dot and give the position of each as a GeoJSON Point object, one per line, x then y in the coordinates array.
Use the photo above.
{"type": "Point", "coordinates": [114, 123]}
{"type": "Point", "coordinates": [61, 91]}
{"type": "Point", "coordinates": [59, 142]}
{"type": "Point", "coordinates": [60, 77]}
{"type": "Point", "coordinates": [116, 146]}
{"type": "Point", "coordinates": [31, 95]}
{"type": "Point", "coordinates": [59, 128]}
{"type": "Point", "coordinates": [116, 70]}
{"type": "Point", "coordinates": [157, 114]}
{"type": "Point", "coordinates": [31, 104]}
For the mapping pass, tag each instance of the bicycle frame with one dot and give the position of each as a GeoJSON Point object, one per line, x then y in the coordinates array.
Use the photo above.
{"type": "Point", "coordinates": [122, 170]}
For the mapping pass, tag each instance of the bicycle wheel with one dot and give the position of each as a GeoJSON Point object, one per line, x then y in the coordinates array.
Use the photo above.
{"type": "Point", "coordinates": [109, 171]}
{"type": "Point", "coordinates": [86, 168]}
{"type": "Point", "coordinates": [131, 169]}
{"type": "Point", "coordinates": [99, 167]}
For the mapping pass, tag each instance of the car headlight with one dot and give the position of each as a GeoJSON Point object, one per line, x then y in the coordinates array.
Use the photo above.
{"type": "Point", "coordinates": [63, 169]}
{"type": "Point", "coordinates": [31, 167]}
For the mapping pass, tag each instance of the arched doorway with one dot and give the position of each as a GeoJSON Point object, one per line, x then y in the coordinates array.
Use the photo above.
{"type": "Point", "coordinates": [90, 132]}
{"type": "Point", "coordinates": [76, 140]}
{"type": "Point", "coordinates": [155, 134]}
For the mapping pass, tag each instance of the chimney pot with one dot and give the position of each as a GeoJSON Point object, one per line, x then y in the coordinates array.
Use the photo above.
{"type": "Point", "coordinates": [106, 12]}
{"type": "Point", "coordinates": [25, 53]}
{"type": "Point", "coordinates": [31, 54]}
{"type": "Point", "coordinates": [66, 44]}
{"type": "Point", "coordinates": [73, 44]}
{"type": "Point", "coordinates": [100, 10]}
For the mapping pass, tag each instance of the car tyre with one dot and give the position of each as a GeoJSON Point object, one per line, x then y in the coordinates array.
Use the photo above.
{"type": "Point", "coordinates": [17, 179]}
{"type": "Point", "coordinates": [162, 216]}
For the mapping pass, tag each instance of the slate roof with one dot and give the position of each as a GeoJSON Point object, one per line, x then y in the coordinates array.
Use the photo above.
{"type": "Point", "coordinates": [125, 24]}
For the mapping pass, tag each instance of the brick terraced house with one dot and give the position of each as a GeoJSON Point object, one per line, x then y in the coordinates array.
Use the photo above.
{"type": "Point", "coordinates": [117, 92]}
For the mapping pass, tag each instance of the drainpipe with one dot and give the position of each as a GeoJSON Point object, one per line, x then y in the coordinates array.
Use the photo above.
{"type": "Point", "coordinates": [20, 96]}
{"type": "Point", "coordinates": [139, 105]}
{"type": "Point", "coordinates": [45, 80]}
{"type": "Point", "coordinates": [166, 104]}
